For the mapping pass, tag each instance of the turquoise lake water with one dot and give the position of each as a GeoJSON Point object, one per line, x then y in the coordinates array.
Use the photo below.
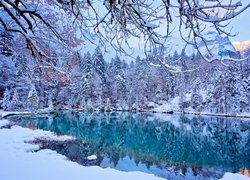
{"type": "Point", "coordinates": [169, 146]}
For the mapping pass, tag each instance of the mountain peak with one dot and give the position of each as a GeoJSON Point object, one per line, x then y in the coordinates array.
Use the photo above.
{"type": "Point", "coordinates": [241, 45]}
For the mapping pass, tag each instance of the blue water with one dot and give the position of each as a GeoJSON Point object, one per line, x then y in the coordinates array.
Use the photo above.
{"type": "Point", "coordinates": [169, 146]}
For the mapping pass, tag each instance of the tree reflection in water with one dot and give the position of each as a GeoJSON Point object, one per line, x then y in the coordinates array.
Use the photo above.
{"type": "Point", "coordinates": [170, 146]}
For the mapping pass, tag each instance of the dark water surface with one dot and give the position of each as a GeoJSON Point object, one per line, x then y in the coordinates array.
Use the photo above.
{"type": "Point", "coordinates": [169, 146]}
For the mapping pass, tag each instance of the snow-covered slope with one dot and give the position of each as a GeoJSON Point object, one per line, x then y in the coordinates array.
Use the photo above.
{"type": "Point", "coordinates": [218, 45]}
{"type": "Point", "coordinates": [241, 46]}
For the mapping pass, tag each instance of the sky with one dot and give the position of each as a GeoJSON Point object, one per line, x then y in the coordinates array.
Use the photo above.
{"type": "Point", "coordinates": [241, 25]}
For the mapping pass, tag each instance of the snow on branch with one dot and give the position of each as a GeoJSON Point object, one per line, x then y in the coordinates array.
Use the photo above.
{"type": "Point", "coordinates": [119, 21]}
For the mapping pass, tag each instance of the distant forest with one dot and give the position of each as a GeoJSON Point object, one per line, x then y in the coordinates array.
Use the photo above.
{"type": "Point", "coordinates": [90, 82]}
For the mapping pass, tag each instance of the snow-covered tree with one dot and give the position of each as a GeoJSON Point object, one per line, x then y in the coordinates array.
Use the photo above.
{"type": "Point", "coordinates": [99, 64]}
{"type": "Point", "coordinates": [6, 99]}
{"type": "Point", "coordinates": [119, 83]}
{"type": "Point", "coordinates": [6, 43]}
{"type": "Point", "coordinates": [33, 98]}
{"type": "Point", "coordinates": [158, 92]}
{"type": "Point", "coordinates": [83, 82]}
{"type": "Point", "coordinates": [140, 83]}
{"type": "Point", "coordinates": [7, 74]}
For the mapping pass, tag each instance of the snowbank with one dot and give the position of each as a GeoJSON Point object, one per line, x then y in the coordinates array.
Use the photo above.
{"type": "Point", "coordinates": [19, 160]}
{"type": "Point", "coordinates": [3, 123]}
{"type": "Point", "coordinates": [170, 106]}
{"type": "Point", "coordinates": [7, 113]}
{"type": "Point", "coordinates": [40, 111]}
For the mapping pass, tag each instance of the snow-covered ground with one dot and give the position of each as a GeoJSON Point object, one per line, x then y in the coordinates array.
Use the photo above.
{"type": "Point", "coordinates": [231, 176]}
{"type": "Point", "coordinates": [19, 160]}
{"type": "Point", "coordinates": [39, 111]}
{"type": "Point", "coordinates": [173, 106]}
{"type": "Point", "coordinates": [3, 123]}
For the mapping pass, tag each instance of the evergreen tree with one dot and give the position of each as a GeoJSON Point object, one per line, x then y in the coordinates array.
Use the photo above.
{"type": "Point", "coordinates": [119, 81]}
{"type": "Point", "coordinates": [196, 98]}
{"type": "Point", "coordinates": [6, 100]}
{"type": "Point", "coordinates": [140, 83]}
{"type": "Point", "coordinates": [33, 98]}
{"type": "Point", "coordinates": [86, 84]}
{"type": "Point", "coordinates": [99, 64]}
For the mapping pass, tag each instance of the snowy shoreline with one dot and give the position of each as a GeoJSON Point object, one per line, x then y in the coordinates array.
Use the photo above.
{"type": "Point", "coordinates": [27, 161]}
{"type": "Point", "coordinates": [243, 115]}
{"type": "Point", "coordinates": [4, 114]}
{"type": "Point", "coordinates": [219, 115]}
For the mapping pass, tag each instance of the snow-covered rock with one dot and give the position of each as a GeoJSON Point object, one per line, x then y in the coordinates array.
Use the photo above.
{"type": "Point", "coordinates": [92, 157]}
